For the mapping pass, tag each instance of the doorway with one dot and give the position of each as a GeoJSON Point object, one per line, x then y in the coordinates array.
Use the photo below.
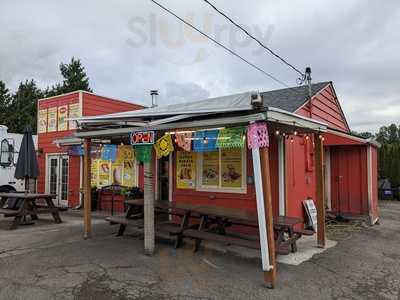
{"type": "Point", "coordinates": [57, 178]}
{"type": "Point", "coordinates": [163, 175]}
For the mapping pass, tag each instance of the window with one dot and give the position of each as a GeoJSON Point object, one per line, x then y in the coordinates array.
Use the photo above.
{"type": "Point", "coordinates": [222, 171]}
{"type": "Point", "coordinates": [5, 153]}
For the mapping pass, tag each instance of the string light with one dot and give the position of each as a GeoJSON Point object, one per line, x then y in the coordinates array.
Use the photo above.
{"type": "Point", "coordinates": [277, 132]}
{"type": "Point", "coordinates": [295, 132]}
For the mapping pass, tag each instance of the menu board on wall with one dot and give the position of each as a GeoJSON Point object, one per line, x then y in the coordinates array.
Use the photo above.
{"type": "Point", "coordinates": [74, 112]}
{"type": "Point", "coordinates": [231, 168]}
{"type": "Point", "coordinates": [62, 118]}
{"type": "Point", "coordinates": [210, 174]}
{"type": "Point", "coordinates": [52, 119]}
{"type": "Point", "coordinates": [42, 121]}
{"type": "Point", "coordinates": [185, 170]}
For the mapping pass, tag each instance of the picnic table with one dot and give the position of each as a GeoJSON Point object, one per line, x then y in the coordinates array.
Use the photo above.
{"type": "Point", "coordinates": [28, 206]}
{"type": "Point", "coordinates": [213, 222]}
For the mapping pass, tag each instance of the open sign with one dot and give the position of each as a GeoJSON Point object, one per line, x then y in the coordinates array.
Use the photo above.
{"type": "Point", "coordinates": [142, 138]}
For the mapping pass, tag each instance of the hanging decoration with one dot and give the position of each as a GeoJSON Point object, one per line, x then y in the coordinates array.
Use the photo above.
{"type": "Point", "coordinates": [164, 146]}
{"type": "Point", "coordinates": [205, 141]}
{"type": "Point", "coordinates": [184, 140]}
{"type": "Point", "coordinates": [257, 135]}
{"type": "Point", "coordinates": [231, 138]}
{"type": "Point", "coordinates": [143, 153]}
{"type": "Point", "coordinates": [109, 152]}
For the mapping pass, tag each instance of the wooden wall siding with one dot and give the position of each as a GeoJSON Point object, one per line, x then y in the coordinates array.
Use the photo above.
{"type": "Point", "coordinates": [97, 105]}
{"type": "Point", "coordinates": [300, 180]}
{"type": "Point", "coordinates": [92, 105]}
{"type": "Point", "coordinates": [336, 140]}
{"type": "Point", "coordinates": [60, 100]}
{"type": "Point", "coordinates": [374, 204]}
{"type": "Point", "coordinates": [244, 201]}
{"type": "Point", "coordinates": [326, 108]}
{"type": "Point", "coordinates": [349, 180]}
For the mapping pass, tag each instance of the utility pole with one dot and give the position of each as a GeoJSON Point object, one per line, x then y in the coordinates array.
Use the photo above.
{"type": "Point", "coordinates": [308, 79]}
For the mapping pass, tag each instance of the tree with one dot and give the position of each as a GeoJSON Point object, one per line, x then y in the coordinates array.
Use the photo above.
{"type": "Point", "coordinates": [24, 106]}
{"type": "Point", "coordinates": [5, 99]}
{"type": "Point", "coordinates": [75, 78]}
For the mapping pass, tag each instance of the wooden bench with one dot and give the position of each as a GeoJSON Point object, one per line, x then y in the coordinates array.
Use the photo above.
{"type": "Point", "coordinates": [205, 235]}
{"type": "Point", "coordinates": [304, 232]}
{"type": "Point", "coordinates": [123, 222]}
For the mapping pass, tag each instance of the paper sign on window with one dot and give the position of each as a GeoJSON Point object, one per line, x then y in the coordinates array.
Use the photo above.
{"type": "Point", "coordinates": [231, 168]}
{"type": "Point", "coordinates": [185, 170]}
{"type": "Point", "coordinates": [210, 175]}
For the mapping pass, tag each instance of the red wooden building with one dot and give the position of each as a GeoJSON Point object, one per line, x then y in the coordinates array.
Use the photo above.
{"type": "Point", "coordinates": [350, 162]}
{"type": "Point", "coordinates": [61, 166]}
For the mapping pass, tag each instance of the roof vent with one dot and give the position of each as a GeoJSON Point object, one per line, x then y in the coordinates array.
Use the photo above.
{"type": "Point", "coordinates": [154, 94]}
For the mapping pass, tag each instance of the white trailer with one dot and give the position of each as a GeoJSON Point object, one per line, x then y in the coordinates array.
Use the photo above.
{"type": "Point", "coordinates": [10, 144]}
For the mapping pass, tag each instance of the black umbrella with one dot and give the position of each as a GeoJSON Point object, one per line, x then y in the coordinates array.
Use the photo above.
{"type": "Point", "coordinates": [27, 164]}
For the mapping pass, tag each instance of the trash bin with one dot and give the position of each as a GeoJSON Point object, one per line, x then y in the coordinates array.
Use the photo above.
{"type": "Point", "coordinates": [385, 191]}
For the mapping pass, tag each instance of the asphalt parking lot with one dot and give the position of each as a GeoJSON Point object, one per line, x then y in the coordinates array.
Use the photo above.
{"type": "Point", "coordinates": [50, 261]}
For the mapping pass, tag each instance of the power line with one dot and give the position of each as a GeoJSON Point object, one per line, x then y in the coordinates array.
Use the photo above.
{"type": "Point", "coordinates": [255, 39]}
{"type": "Point", "coordinates": [219, 44]}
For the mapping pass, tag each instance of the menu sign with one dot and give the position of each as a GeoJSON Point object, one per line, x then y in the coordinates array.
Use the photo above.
{"type": "Point", "coordinates": [142, 138]}
{"type": "Point", "coordinates": [185, 170]}
{"type": "Point", "coordinates": [42, 121]}
{"type": "Point", "coordinates": [52, 119]}
{"type": "Point", "coordinates": [231, 168]}
{"type": "Point", "coordinates": [62, 118]}
{"type": "Point", "coordinates": [74, 112]}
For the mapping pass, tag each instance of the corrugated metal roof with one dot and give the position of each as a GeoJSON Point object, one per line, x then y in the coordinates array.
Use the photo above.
{"type": "Point", "coordinates": [237, 102]}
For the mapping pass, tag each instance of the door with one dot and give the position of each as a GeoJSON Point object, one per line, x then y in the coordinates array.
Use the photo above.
{"type": "Point", "coordinates": [347, 176]}
{"type": "Point", "coordinates": [163, 178]}
{"type": "Point", "coordinates": [57, 178]}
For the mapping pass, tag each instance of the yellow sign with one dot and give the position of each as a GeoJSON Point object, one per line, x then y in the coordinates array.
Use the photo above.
{"type": "Point", "coordinates": [117, 173]}
{"type": "Point", "coordinates": [42, 121]}
{"type": "Point", "coordinates": [128, 178]}
{"type": "Point", "coordinates": [74, 112]}
{"type": "Point", "coordinates": [210, 176]}
{"type": "Point", "coordinates": [104, 173]}
{"type": "Point", "coordinates": [62, 118]}
{"type": "Point", "coordinates": [94, 173]}
{"type": "Point", "coordinates": [52, 119]}
{"type": "Point", "coordinates": [231, 168]}
{"type": "Point", "coordinates": [185, 170]}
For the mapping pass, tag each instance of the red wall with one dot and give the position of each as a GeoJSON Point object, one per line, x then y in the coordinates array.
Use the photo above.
{"type": "Point", "coordinates": [374, 198]}
{"type": "Point", "coordinates": [325, 107]}
{"type": "Point", "coordinates": [349, 179]}
{"type": "Point", "coordinates": [91, 105]}
{"type": "Point", "coordinates": [300, 175]}
{"type": "Point", "coordinates": [244, 201]}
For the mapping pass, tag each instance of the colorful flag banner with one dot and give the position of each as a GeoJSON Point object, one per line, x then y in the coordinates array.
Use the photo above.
{"type": "Point", "coordinates": [205, 141]}
{"type": "Point", "coordinates": [231, 138]}
{"type": "Point", "coordinates": [143, 153]}
{"type": "Point", "coordinates": [184, 140]}
{"type": "Point", "coordinates": [257, 135]}
{"type": "Point", "coordinates": [164, 146]}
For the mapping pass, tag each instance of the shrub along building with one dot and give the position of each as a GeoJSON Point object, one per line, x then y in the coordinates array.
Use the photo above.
{"type": "Point", "coordinates": [60, 153]}
{"type": "Point", "coordinates": [265, 153]}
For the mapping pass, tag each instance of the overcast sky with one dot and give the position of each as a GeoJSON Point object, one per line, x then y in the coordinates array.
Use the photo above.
{"type": "Point", "coordinates": [131, 46]}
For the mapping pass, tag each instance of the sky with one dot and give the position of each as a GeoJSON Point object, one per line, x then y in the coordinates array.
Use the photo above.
{"type": "Point", "coordinates": [129, 47]}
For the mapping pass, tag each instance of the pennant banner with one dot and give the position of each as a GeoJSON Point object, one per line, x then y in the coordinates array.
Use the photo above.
{"type": "Point", "coordinates": [109, 152]}
{"type": "Point", "coordinates": [143, 153]}
{"type": "Point", "coordinates": [257, 135]}
{"type": "Point", "coordinates": [231, 138]}
{"type": "Point", "coordinates": [205, 141]}
{"type": "Point", "coordinates": [184, 140]}
{"type": "Point", "coordinates": [164, 146]}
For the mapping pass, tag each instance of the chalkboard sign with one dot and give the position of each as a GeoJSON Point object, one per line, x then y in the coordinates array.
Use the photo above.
{"type": "Point", "coordinates": [142, 138]}
{"type": "Point", "coordinates": [311, 211]}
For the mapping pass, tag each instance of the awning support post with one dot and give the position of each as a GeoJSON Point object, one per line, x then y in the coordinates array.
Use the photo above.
{"type": "Point", "coordinates": [149, 233]}
{"type": "Point", "coordinates": [270, 275]}
{"type": "Point", "coordinates": [320, 180]}
{"type": "Point", "coordinates": [87, 214]}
